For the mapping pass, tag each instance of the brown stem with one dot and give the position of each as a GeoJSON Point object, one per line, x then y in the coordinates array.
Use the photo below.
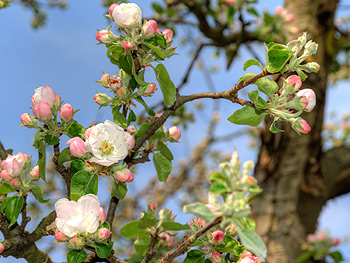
{"type": "Point", "coordinates": [25, 218]}
{"type": "Point", "coordinates": [60, 168]}
{"type": "Point", "coordinates": [150, 252]}
{"type": "Point", "coordinates": [111, 210]}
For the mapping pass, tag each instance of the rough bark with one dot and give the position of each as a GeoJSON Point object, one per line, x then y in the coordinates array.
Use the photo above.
{"type": "Point", "coordinates": [289, 165]}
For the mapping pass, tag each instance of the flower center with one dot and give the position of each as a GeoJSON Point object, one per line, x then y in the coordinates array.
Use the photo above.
{"type": "Point", "coordinates": [106, 148]}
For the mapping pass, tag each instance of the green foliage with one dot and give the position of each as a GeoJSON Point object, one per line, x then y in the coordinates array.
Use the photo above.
{"type": "Point", "coordinates": [278, 55]}
{"type": "Point", "coordinates": [132, 229]}
{"type": "Point", "coordinates": [76, 256]}
{"type": "Point", "coordinates": [119, 190]}
{"type": "Point", "coordinates": [173, 226]}
{"type": "Point", "coordinates": [163, 166]}
{"type": "Point", "coordinates": [12, 207]}
{"type": "Point", "coordinates": [251, 62]}
{"type": "Point", "coordinates": [38, 194]}
{"type": "Point", "coordinates": [83, 183]}
{"type": "Point", "coordinates": [195, 256]}
{"type": "Point", "coordinates": [64, 156]}
{"type": "Point", "coordinates": [252, 242]}
{"type": "Point", "coordinates": [200, 210]}
{"type": "Point", "coordinates": [5, 189]}
{"type": "Point", "coordinates": [166, 84]}
{"type": "Point", "coordinates": [103, 250]}
{"type": "Point", "coordinates": [267, 86]}
{"type": "Point", "coordinates": [247, 116]}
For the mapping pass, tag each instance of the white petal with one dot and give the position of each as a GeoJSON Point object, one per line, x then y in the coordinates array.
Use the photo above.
{"type": "Point", "coordinates": [65, 209]}
{"type": "Point", "coordinates": [87, 203]}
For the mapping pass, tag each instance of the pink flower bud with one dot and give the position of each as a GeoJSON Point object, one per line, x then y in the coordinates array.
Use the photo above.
{"type": "Point", "coordinates": [321, 237]}
{"type": "Point", "coordinates": [152, 206]}
{"type": "Point", "coordinates": [229, 2]}
{"type": "Point", "coordinates": [279, 10]}
{"type": "Point", "coordinates": [310, 97]}
{"type": "Point", "coordinates": [121, 92]}
{"type": "Point", "coordinates": [76, 243]}
{"type": "Point", "coordinates": [105, 36]}
{"type": "Point", "coordinates": [174, 134]}
{"type": "Point", "coordinates": [248, 258]}
{"type": "Point", "coordinates": [60, 237]}
{"type": "Point", "coordinates": [293, 83]}
{"type": "Point", "coordinates": [2, 247]}
{"type": "Point", "coordinates": [301, 125]}
{"type": "Point", "coordinates": [35, 173]}
{"type": "Point", "coordinates": [42, 111]}
{"type": "Point", "coordinates": [150, 28]}
{"type": "Point", "coordinates": [124, 176]}
{"type": "Point", "coordinates": [130, 140]}
{"type": "Point", "coordinates": [102, 99]}
{"type": "Point", "coordinates": [336, 241]}
{"type": "Point", "coordinates": [102, 234]}
{"type": "Point", "coordinates": [102, 215]}
{"type": "Point", "coordinates": [131, 129]}
{"type": "Point", "coordinates": [105, 80]}
{"type": "Point", "coordinates": [128, 45]}
{"type": "Point", "coordinates": [67, 112]}
{"type": "Point", "coordinates": [218, 236]}
{"type": "Point", "coordinates": [289, 18]}
{"type": "Point", "coordinates": [166, 239]}
{"type": "Point", "coordinates": [28, 120]}
{"type": "Point", "coordinates": [249, 180]}
{"type": "Point", "coordinates": [168, 34]}
{"type": "Point", "coordinates": [5, 176]}
{"type": "Point", "coordinates": [15, 183]}
{"type": "Point", "coordinates": [231, 230]}
{"type": "Point", "coordinates": [216, 257]}
{"type": "Point", "coordinates": [88, 132]}
{"type": "Point", "coordinates": [14, 164]}
{"type": "Point", "coordinates": [44, 94]}
{"type": "Point", "coordinates": [310, 238]}
{"type": "Point", "coordinates": [77, 147]}
{"type": "Point", "coordinates": [150, 90]}
{"type": "Point", "coordinates": [294, 30]}
{"type": "Point", "coordinates": [58, 101]}
{"type": "Point", "coordinates": [111, 8]}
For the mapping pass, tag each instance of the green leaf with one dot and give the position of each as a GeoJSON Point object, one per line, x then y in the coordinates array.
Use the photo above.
{"type": "Point", "coordinates": [64, 156]}
{"type": "Point", "coordinates": [42, 159]}
{"type": "Point", "coordinates": [247, 116]}
{"type": "Point", "coordinates": [166, 85]}
{"type": "Point", "coordinates": [131, 117]}
{"type": "Point", "coordinates": [13, 208]}
{"type": "Point", "coordinates": [83, 183]}
{"type": "Point", "coordinates": [76, 166]}
{"type": "Point", "coordinates": [158, 8]}
{"type": "Point", "coordinates": [174, 226]}
{"type": "Point", "coordinates": [302, 75]}
{"type": "Point", "coordinates": [140, 78]}
{"type": "Point", "coordinates": [5, 189]}
{"type": "Point", "coordinates": [161, 40]}
{"type": "Point", "coordinates": [76, 256]}
{"type": "Point", "coordinates": [141, 244]}
{"type": "Point", "coordinates": [253, 11]}
{"type": "Point", "coordinates": [142, 130]}
{"type": "Point", "coordinates": [38, 194]}
{"type": "Point", "coordinates": [259, 102]}
{"type": "Point", "coordinates": [103, 250]}
{"type": "Point", "coordinates": [305, 256]}
{"type": "Point", "coordinates": [163, 166]}
{"type": "Point", "coordinates": [337, 256]}
{"type": "Point", "coordinates": [247, 76]}
{"type": "Point", "coordinates": [75, 130]}
{"type": "Point", "coordinates": [199, 210]}
{"type": "Point", "coordinates": [39, 136]}
{"type": "Point", "coordinates": [125, 63]}
{"type": "Point", "coordinates": [218, 189]}
{"type": "Point", "coordinates": [144, 104]}
{"type": "Point", "coordinates": [51, 140]}
{"type": "Point", "coordinates": [4, 202]}
{"type": "Point", "coordinates": [267, 86]}
{"type": "Point", "coordinates": [278, 56]}
{"type": "Point", "coordinates": [147, 220]}
{"type": "Point", "coordinates": [156, 50]}
{"type": "Point", "coordinates": [231, 246]}
{"type": "Point", "coordinates": [273, 128]}
{"type": "Point", "coordinates": [120, 119]}
{"type": "Point", "coordinates": [119, 190]}
{"type": "Point", "coordinates": [253, 243]}
{"type": "Point", "coordinates": [131, 230]}
{"type": "Point", "coordinates": [116, 50]}
{"type": "Point", "coordinates": [194, 256]}
{"type": "Point", "coordinates": [251, 62]}
{"type": "Point", "coordinates": [164, 149]}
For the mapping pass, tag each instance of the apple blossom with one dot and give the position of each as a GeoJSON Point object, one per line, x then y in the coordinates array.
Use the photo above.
{"type": "Point", "coordinates": [150, 28]}
{"type": "Point", "coordinates": [130, 140]}
{"type": "Point", "coordinates": [309, 99]}
{"type": "Point", "coordinates": [77, 217]}
{"type": "Point", "coordinates": [60, 237]}
{"type": "Point", "coordinates": [124, 175]}
{"type": "Point", "coordinates": [168, 34]}
{"type": "Point", "coordinates": [166, 239]}
{"type": "Point", "coordinates": [105, 80]}
{"type": "Point", "coordinates": [131, 129]}
{"type": "Point", "coordinates": [35, 173]}
{"type": "Point", "coordinates": [301, 125]}
{"type": "Point", "coordinates": [5, 176]}
{"type": "Point", "coordinates": [42, 111]}
{"type": "Point", "coordinates": [128, 45]}
{"type": "Point", "coordinates": [58, 101]}
{"type": "Point", "coordinates": [174, 134]}
{"type": "Point", "coordinates": [67, 112]}
{"type": "Point", "coordinates": [289, 17]}
{"type": "Point", "coordinates": [152, 206]}
{"type": "Point", "coordinates": [88, 132]}
{"type": "Point", "coordinates": [248, 258]}
{"type": "Point", "coordinates": [102, 215]}
{"type": "Point", "coordinates": [293, 83]}
{"type": "Point", "coordinates": [14, 164]}
{"type": "Point", "coordinates": [44, 94]}
{"type": "Point", "coordinates": [102, 234]}
{"type": "Point", "coordinates": [77, 147]}
{"type": "Point", "coordinates": [28, 120]}
{"type": "Point", "coordinates": [105, 36]}
{"type": "Point", "coordinates": [335, 241]}
{"type": "Point", "coordinates": [114, 82]}
{"type": "Point", "coordinates": [121, 92]}
{"type": "Point", "coordinates": [107, 143]}
{"type": "Point", "coordinates": [212, 208]}
{"type": "Point", "coordinates": [126, 14]}
{"type": "Point", "coordinates": [218, 236]}
{"type": "Point", "coordinates": [279, 10]}
{"type": "Point", "coordinates": [216, 257]}
{"type": "Point", "coordinates": [15, 183]}
{"type": "Point", "coordinates": [111, 8]}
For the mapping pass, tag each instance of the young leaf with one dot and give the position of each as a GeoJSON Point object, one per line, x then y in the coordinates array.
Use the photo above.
{"type": "Point", "coordinates": [4, 202]}
{"type": "Point", "coordinates": [278, 56]}
{"type": "Point", "coordinates": [259, 102]}
{"type": "Point", "coordinates": [251, 62]}
{"type": "Point", "coordinates": [142, 131]}
{"type": "Point", "coordinates": [247, 116]}
{"type": "Point", "coordinates": [174, 226]}
{"type": "Point", "coordinates": [253, 243]}
{"type": "Point", "coordinates": [83, 183]}
{"type": "Point", "coordinates": [119, 190]}
{"type": "Point", "coordinates": [141, 244]}
{"type": "Point", "coordinates": [273, 128]}
{"type": "Point", "coordinates": [13, 208]}
{"type": "Point", "coordinates": [64, 156]}
{"type": "Point", "coordinates": [163, 166]}
{"type": "Point", "coordinates": [51, 140]}
{"type": "Point", "coordinates": [147, 220]}
{"type": "Point", "coordinates": [125, 63]}
{"type": "Point", "coordinates": [42, 159]}
{"type": "Point", "coordinates": [38, 193]}
{"type": "Point", "coordinates": [119, 119]}
{"type": "Point", "coordinates": [267, 86]}
{"type": "Point", "coordinates": [194, 256]}
{"type": "Point", "coordinates": [200, 210]}
{"type": "Point", "coordinates": [5, 189]}
{"type": "Point", "coordinates": [76, 256]}
{"type": "Point", "coordinates": [75, 130]}
{"type": "Point", "coordinates": [165, 150]}
{"type": "Point", "coordinates": [218, 189]}
{"type": "Point", "coordinates": [156, 50]}
{"type": "Point", "coordinates": [246, 76]}
{"type": "Point", "coordinates": [140, 78]}
{"type": "Point", "coordinates": [103, 250]}
{"type": "Point", "coordinates": [76, 166]}
{"type": "Point", "coordinates": [144, 104]}
{"type": "Point", "coordinates": [131, 230]}
{"type": "Point", "coordinates": [166, 85]}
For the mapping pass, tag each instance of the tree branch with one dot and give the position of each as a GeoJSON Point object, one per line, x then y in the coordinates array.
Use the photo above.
{"type": "Point", "coordinates": [60, 168]}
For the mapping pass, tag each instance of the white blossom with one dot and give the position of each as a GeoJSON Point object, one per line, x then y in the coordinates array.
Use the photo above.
{"type": "Point", "coordinates": [127, 14]}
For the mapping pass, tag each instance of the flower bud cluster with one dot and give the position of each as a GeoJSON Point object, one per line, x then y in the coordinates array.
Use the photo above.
{"type": "Point", "coordinates": [12, 169]}
{"type": "Point", "coordinates": [247, 257]}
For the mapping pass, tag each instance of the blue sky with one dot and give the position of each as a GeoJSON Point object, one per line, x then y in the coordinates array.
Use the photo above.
{"type": "Point", "coordinates": [64, 55]}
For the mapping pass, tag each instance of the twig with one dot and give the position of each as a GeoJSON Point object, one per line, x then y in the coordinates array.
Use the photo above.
{"type": "Point", "coordinates": [150, 252]}
{"type": "Point", "coordinates": [25, 218]}
{"type": "Point", "coordinates": [60, 168]}
{"type": "Point", "coordinates": [3, 152]}
{"type": "Point", "coordinates": [170, 256]}
{"type": "Point", "coordinates": [111, 210]}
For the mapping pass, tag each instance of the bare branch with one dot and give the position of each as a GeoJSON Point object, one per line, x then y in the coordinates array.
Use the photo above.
{"type": "Point", "coordinates": [60, 168]}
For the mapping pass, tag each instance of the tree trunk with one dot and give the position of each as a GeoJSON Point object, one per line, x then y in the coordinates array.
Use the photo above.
{"type": "Point", "coordinates": [289, 165]}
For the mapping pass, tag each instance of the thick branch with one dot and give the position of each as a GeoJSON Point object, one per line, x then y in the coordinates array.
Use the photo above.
{"type": "Point", "coordinates": [43, 228]}
{"type": "Point", "coordinates": [3, 152]}
{"type": "Point", "coordinates": [170, 256]}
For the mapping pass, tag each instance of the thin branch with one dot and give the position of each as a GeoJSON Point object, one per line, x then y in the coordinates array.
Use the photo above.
{"type": "Point", "coordinates": [111, 210]}
{"type": "Point", "coordinates": [3, 152]}
{"type": "Point", "coordinates": [150, 252]}
{"type": "Point", "coordinates": [25, 218]}
{"type": "Point", "coordinates": [170, 256]}
{"type": "Point", "coordinates": [60, 168]}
